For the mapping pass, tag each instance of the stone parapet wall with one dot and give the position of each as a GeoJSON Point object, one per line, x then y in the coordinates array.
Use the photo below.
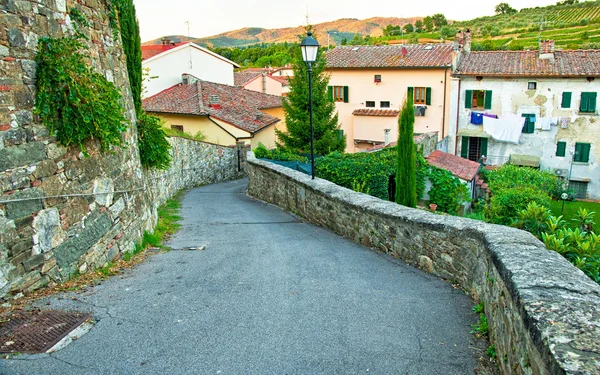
{"type": "Point", "coordinates": [61, 211]}
{"type": "Point", "coordinates": [543, 313]}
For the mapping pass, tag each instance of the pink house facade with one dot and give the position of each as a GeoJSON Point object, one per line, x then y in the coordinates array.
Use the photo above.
{"type": "Point", "coordinates": [369, 84]}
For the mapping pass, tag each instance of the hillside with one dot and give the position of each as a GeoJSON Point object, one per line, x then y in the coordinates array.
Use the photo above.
{"type": "Point", "coordinates": [339, 29]}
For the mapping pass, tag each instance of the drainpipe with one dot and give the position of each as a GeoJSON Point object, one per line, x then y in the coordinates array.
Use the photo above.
{"type": "Point", "coordinates": [444, 109]}
{"type": "Point", "coordinates": [457, 116]}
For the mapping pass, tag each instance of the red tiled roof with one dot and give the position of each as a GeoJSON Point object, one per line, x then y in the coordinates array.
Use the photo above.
{"type": "Point", "coordinates": [281, 79]}
{"type": "Point", "coordinates": [156, 49]}
{"type": "Point", "coordinates": [375, 112]}
{"type": "Point", "coordinates": [417, 55]}
{"type": "Point", "coordinates": [237, 106]}
{"type": "Point", "coordinates": [460, 167]}
{"type": "Point", "coordinates": [579, 63]}
{"type": "Point", "coordinates": [245, 76]}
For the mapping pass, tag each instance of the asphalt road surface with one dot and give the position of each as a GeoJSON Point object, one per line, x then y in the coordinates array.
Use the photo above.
{"type": "Point", "coordinates": [269, 294]}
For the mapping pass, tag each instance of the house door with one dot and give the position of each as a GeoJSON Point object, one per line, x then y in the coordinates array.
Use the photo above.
{"type": "Point", "coordinates": [473, 148]}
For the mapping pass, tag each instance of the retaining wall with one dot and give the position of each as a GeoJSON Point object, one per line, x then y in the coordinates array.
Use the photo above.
{"type": "Point", "coordinates": [543, 313]}
{"type": "Point", "coordinates": [61, 211]}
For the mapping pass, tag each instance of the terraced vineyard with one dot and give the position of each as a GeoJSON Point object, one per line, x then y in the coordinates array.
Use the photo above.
{"type": "Point", "coordinates": [571, 26]}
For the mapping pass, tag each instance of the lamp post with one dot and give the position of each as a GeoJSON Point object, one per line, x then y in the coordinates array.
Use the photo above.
{"type": "Point", "coordinates": [310, 47]}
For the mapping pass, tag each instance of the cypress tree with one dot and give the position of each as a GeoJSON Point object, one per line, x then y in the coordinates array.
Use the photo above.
{"type": "Point", "coordinates": [328, 136]}
{"type": "Point", "coordinates": [406, 170]}
{"type": "Point", "coordinates": [132, 46]}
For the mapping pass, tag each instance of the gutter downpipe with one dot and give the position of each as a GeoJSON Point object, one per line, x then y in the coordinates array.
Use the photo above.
{"type": "Point", "coordinates": [444, 109]}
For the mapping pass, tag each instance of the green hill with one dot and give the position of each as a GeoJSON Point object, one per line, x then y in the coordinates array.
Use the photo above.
{"type": "Point", "coordinates": [571, 26]}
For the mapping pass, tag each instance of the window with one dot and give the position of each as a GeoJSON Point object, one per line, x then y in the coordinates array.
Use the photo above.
{"type": "Point", "coordinates": [531, 85]}
{"type": "Point", "coordinates": [473, 148]}
{"type": "Point", "coordinates": [478, 99]}
{"type": "Point", "coordinates": [384, 104]}
{"type": "Point", "coordinates": [529, 126]}
{"type": "Point", "coordinates": [580, 188]}
{"type": "Point", "coordinates": [178, 128]}
{"type": "Point", "coordinates": [566, 100]}
{"type": "Point", "coordinates": [421, 95]}
{"type": "Point", "coordinates": [377, 78]}
{"type": "Point", "coordinates": [561, 148]}
{"type": "Point", "coordinates": [588, 102]}
{"type": "Point", "coordinates": [582, 152]}
{"type": "Point", "coordinates": [370, 104]}
{"type": "Point", "coordinates": [338, 93]}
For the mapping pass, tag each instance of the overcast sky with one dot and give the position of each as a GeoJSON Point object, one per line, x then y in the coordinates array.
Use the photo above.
{"type": "Point", "coordinates": [209, 17]}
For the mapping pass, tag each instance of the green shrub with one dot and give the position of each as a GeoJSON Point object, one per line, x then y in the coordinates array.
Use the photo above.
{"type": "Point", "coordinates": [505, 204]}
{"type": "Point", "coordinates": [154, 147]}
{"type": "Point", "coordinates": [447, 191]}
{"type": "Point", "coordinates": [262, 152]}
{"type": "Point", "coordinates": [511, 176]}
{"type": "Point", "coordinates": [534, 219]}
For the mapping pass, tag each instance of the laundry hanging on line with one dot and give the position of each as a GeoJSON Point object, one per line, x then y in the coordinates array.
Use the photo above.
{"type": "Point", "coordinates": [476, 118]}
{"type": "Point", "coordinates": [504, 128]}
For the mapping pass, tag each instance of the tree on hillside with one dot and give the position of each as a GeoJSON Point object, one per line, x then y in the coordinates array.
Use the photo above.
{"type": "Point", "coordinates": [428, 24]}
{"type": "Point", "coordinates": [327, 133]}
{"type": "Point", "coordinates": [504, 8]}
{"type": "Point", "coordinates": [439, 20]}
{"type": "Point", "coordinates": [419, 26]}
{"type": "Point", "coordinates": [409, 28]}
{"type": "Point", "coordinates": [406, 169]}
{"type": "Point", "coordinates": [568, 2]}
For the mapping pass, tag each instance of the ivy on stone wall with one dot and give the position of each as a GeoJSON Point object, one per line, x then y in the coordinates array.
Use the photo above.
{"type": "Point", "coordinates": [74, 102]}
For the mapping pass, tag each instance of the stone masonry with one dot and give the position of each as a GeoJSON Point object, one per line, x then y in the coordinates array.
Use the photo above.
{"type": "Point", "coordinates": [60, 211]}
{"type": "Point", "coordinates": [543, 313]}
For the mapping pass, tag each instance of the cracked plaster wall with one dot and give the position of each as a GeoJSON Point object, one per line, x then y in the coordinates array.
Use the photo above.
{"type": "Point", "coordinates": [543, 313]}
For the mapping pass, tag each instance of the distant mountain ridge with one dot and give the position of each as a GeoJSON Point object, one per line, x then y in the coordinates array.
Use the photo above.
{"type": "Point", "coordinates": [339, 29]}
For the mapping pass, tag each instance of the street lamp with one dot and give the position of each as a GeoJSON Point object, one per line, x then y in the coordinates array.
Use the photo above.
{"type": "Point", "coordinates": [310, 47]}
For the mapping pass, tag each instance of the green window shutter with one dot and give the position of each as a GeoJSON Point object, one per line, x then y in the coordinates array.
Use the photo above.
{"type": "Point", "coordinates": [529, 126]}
{"type": "Point", "coordinates": [411, 93]}
{"type": "Point", "coordinates": [561, 148]}
{"type": "Point", "coordinates": [464, 150]}
{"type": "Point", "coordinates": [577, 155]}
{"type": "Point", "coordinates": [330, 92]}
{"type": "Point", "coordinates": [346, 94]}
{"type": "Point", "coordinates": [484, 144]}
{"type": "Point", "coordinates": [469, 99]}
{"type": "Point", "coordinates": [566, 100]}
{"type": "Point", "coordinates": [583, 105]}
{"type": "Point", "coordinates": [488, 100]}
{"type": "Point", "coordinates": [592, 102]}
{"type": "Point", "coordinates": [585, 152]}
{"type": "Point", "coordinates": [428, 96]}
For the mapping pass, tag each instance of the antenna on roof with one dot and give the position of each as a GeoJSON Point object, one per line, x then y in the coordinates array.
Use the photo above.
{"type": "Point", "coordinates": [307, 22]}
{"type": "Point", "coordinates": [189, 41]}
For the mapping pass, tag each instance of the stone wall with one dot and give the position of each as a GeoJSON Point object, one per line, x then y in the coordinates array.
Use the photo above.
{"type": "Point", "coordinates": [61, 211]}
{"type": "Point", "coordinates": [543, 313]}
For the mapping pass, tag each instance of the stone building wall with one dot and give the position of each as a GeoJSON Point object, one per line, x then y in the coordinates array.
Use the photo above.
{"type": "Point", "coordinates": [60, 211]}
{"type": "Point", "coordinates": [543, 313]}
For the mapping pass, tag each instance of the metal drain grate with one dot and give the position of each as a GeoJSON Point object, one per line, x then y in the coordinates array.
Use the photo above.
{"type": "Point", "coordinates": [36, 331]}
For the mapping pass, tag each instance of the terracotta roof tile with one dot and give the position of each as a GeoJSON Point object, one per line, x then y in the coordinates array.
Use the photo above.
{"type": "Point", "coordinates": [156, 49]}
{"type": "Point", "coordinates": [417, 55]}
{"type": "Point", "coordinates": [375, 112]}
{"type": "Point", "coordinates": [237, 106]}
{"type": "Point", "coordinates": [282, 79]}
{"type": "Point", "coordinates": [579, 63]}
{"type": "Point", "coordinates": [245, 76]}
{"type": "Point", "coordinates": [460, 167]}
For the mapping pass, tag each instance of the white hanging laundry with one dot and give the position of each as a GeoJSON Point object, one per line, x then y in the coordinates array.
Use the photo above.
{"type": "Point", "coordinates": [546, 123]}
{"type": "Point", "coordinates": [505, 128]}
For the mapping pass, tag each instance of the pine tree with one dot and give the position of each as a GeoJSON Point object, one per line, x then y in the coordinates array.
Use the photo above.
{"type": "Point", "coordinates": [327, 133]}
{"type": "Point", "coordinates": [406, 170]}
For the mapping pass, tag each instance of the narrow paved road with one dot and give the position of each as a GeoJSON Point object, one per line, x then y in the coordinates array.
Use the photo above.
{"type": "Point", "coordinates": [270, 294]}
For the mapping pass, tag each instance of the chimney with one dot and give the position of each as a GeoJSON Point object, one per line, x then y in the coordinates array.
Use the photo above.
{"type": "Point", "coordinates": [459, 40]}
{"type": "Point", "coordinates": [547, 49]}
{"type": "Point", "coordinates": [387, 136]}
{"type": "Point", "coordinates": [467, 45]}
{"type": "Point", "coordinates": [214, 102]}
{"type": "Point", "coordinates": [264, 82]}
{"type": "Point", "coordinates": [188, 79]}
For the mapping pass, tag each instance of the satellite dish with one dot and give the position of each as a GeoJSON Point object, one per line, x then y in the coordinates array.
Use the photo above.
{"type": "Point", "coordinates": [404, 51]}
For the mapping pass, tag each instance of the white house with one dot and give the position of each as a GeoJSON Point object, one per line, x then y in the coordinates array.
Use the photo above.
{"type": "Point", "coordinates": [546, 102]}
{"type": "Point", "coordinates": [167, 67]}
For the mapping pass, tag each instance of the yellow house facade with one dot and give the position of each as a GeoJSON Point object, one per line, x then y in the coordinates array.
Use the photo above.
{"type": "Point", "coordinates": [224, 114]}
{"type": "Point", "coordinates": [370, 83]}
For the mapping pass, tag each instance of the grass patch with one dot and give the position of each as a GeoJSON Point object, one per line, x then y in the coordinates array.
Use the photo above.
{"type": "Point", "coordinates": [199, 136]}
{"type": "Point", "coordinates": [571, 211]}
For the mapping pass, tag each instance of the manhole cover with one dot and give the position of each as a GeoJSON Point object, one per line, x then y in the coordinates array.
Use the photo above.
{"type": "Point", "coordinates": [36, 331]}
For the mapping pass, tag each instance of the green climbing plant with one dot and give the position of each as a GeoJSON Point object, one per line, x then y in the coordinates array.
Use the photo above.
{"type": "Point", "coordinates": [73, 101]}
{"type": "Point", "coordinates": [446, 191]}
